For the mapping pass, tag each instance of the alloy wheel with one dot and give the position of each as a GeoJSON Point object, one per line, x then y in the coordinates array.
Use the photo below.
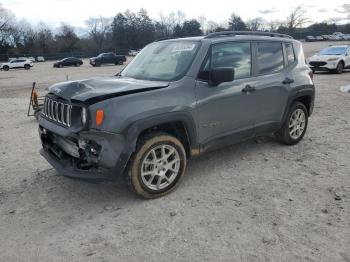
{"type": "Point", "coordinates": [160, 167]}
{"type": "Point", "coordinates": [297, 124]}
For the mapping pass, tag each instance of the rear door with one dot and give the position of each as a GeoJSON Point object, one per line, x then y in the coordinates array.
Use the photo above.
{"type": "Point", "coordinates": [273, 79]}
{"type": "Point", "coordinates": [109, 58]}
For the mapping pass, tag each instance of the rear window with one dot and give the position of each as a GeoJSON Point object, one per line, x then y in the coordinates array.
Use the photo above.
{"type": "Point", "coordinates": [290, 53]}
{"type": "Point", "coordinates": [270, 57]}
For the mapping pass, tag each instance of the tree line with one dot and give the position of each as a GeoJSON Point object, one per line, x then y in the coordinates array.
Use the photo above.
{"type": "Point", "coordinates": [131, 30]}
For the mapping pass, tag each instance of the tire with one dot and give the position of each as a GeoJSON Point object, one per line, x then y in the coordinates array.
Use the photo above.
{"type": "Point", "coordinates": [340, 68]}
{"type": "Point", "coordinates": [120, 62]}
{"type": "Point", "coordinates": [6, 68]}
{"type": "Point", "coordinates": [60, 65]}
{"type": "Point", "coordinates": [162, 179]}
{"type": "Point", "coordinates": [26, 67]}
{"type": "Point", "coordinates": [285, 134]}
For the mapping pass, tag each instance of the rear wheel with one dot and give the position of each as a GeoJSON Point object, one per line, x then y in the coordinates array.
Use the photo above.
{"type": "Point", "coordinates": [26, 67]}
{"type": "Point", "coordinates": [157, 166]}
{"type": "Point", "coordinates": [294, 128]}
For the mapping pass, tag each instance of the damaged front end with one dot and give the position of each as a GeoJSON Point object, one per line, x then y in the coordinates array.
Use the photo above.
{"type": "Point", "coordinates": [74, 149]}
{"type": "Point", "coordinates": [90, 155]}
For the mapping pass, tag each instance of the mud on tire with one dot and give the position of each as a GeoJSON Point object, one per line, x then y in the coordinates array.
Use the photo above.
{"type": "Point", "coordinates": [149, 150]}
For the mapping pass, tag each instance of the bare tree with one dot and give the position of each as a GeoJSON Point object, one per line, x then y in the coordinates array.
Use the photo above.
{"type": "Point", "coordinates": [256, 24]}
{"type": "Point", "coordinates": [297, 18]}
{"type": "Point", "coordinates": [169, 22]}
{"type": "Point", "coordinates": [7, 21]}
{"type": "Point", "coordinates": [273, 25]}
{"type": "Point", "coordinates": [98, 28]}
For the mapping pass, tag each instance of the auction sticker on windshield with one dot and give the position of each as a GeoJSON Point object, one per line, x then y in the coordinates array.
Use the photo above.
{"type": "Point", "coordinates": [183, 47]}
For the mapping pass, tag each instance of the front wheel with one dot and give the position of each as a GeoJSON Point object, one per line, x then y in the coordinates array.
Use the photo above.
{"type": "Point", "coordinates": [6, 68]}
{"type": "Point", "coordinates": [340, 68]}
{"type": "Point", "coordinates": [295, 125]}
{"type": "Point", "coordinates": [26, 67]}
{"type": "Point", "coordinates": [157, 166]}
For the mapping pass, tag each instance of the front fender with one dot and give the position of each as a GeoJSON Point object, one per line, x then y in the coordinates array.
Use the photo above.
{"type": "Point", "coordinates": [133, 131]}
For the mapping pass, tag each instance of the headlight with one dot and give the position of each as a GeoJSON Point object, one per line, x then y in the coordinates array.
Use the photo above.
{"type": "Point", "coordinates": [332, 59]}
{"type": "Point", "coordinates": [84, 115]}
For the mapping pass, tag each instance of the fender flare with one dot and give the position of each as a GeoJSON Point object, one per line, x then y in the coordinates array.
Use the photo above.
{"type": "Point", "coordinates": [300, 92]}
{"type": "Point", "coordinates": [133, 131]}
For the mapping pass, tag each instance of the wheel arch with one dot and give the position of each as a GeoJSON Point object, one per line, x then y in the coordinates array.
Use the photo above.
{"type": "Point", "coordinates": [181, 125]}
{"type": "Point", "coordinates": [303, 95]}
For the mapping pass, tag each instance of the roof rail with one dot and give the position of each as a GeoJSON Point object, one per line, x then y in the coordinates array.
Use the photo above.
{"type": "Point", "coordinates": [234, 33]}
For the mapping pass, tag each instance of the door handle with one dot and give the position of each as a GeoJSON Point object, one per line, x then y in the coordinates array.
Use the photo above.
{"type": "Point", "coordinates": [287, 81]}
{"type": "Point", "coordinates": [248, 88]}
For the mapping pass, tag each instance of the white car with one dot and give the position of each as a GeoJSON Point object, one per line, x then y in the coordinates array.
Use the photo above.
{"type": "Point", "coordinates": [333, 58]}
{"type": "Point", "coordinates": [133, 52]}
{"type": "Point", "coordinates": [31, 59]}
{"type": "Point", "coordinates": [17, 63]}
{"type": "Point", "coordinates": [40, 59]}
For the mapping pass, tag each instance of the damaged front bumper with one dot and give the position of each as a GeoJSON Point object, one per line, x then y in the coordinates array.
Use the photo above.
{"type": "Point", "coordinates": [94, 155]}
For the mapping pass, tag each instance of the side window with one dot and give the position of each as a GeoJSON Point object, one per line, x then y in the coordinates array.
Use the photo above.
{"type": "Point", "coordinates": [236, 55]}
{"type": "Point", "coordinates": [14, 61]}
{"type": "Point", "coordinates": [270, 57]}
{"type": "Point", "coordinates": [290, 53]}
{"type": "Point", "coordinates": [233, 54]}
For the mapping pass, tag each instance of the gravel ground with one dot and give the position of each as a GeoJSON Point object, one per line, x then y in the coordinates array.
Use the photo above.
{"type": "Point", "coordinates": [255, 201]}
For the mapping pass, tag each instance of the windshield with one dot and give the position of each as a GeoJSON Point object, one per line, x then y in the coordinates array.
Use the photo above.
{"type": "Point", "coordinates": [162, 61]}
{"type": "Point", "coordinates": [333, 51]}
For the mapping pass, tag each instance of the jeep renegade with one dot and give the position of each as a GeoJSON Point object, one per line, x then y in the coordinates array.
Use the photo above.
{"type": "Point", "coordinates": [177, 98]}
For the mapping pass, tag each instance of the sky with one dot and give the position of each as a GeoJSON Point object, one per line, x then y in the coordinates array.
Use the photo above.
{"type": "Point", "coordinates": [75, 12]}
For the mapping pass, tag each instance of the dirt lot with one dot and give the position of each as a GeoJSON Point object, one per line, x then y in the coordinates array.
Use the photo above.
{"type": "Point", "coordinates": [256, 201]}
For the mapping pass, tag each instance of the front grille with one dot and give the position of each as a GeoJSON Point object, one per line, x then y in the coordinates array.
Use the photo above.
{"type": "Point", "coordinates": [317, 63]}
{"type": "Point", "coordinates": [57, 111]}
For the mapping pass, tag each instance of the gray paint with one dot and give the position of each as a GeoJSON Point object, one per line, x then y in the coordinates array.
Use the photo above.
{"type": "Point", "coordinates": [213, 116]}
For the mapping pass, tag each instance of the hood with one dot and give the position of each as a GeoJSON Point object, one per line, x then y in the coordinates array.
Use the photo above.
{"type": "Point", "coordinates": [94, 90]}
{"type": "Point", "coordinates": [323, 57]}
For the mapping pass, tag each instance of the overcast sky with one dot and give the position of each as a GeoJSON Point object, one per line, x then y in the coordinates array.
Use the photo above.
{"type": "Point", "coordinates": [76, 12]}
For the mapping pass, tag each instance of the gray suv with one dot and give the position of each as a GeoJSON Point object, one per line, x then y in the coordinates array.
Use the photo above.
{"type": "Point", "coordinates": [177, 99]}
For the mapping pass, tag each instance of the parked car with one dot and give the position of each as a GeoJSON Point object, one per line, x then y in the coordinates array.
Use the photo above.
{"type": "Point", "coordinates": [325, 37]}
{"type": "Point", "coordinates": [319, 38]}
{"type": "Point", "coordinates": [181, 98]}
{"type": "Point", "coordinates": [310, 38]}
{"type": "Point", "coordinates": [69, 61]}
{"type": "Point", "coordinates": [17, 63]}
{"type": "Point", "coordinates": [40, 59]}
{"type": "Point", "coordinates": [31, 59]}
{"type": "Point", "coordinates": [133, 52]}
{"type": "Point", "coordinates": [334, 58]}
{"type": "Point", "coordinates": [107, 58]}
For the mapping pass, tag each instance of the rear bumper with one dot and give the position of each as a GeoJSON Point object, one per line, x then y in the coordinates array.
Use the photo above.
{"type": "Point", "coordinates": [90, 155]}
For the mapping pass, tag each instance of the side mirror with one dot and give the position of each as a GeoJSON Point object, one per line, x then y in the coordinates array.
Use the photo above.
{"type": "Point", "coordinates": [220, 75]}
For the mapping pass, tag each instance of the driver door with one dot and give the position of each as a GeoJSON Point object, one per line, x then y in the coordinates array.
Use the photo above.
{"type": "Point", "coordinates": [14, 63]}
{"type": "Point", "coordinates": [226, 113]}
